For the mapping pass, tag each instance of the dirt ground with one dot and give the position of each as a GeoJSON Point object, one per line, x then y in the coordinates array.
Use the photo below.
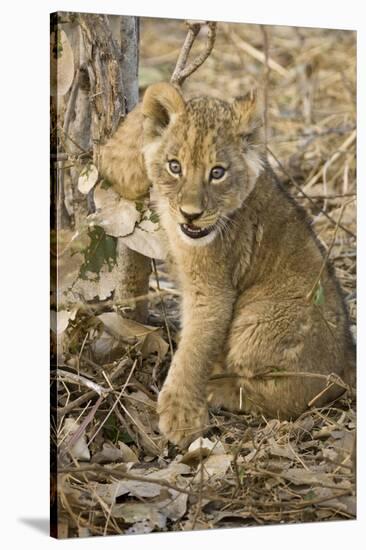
{"type": "Point", "coordinates": [116, 473]}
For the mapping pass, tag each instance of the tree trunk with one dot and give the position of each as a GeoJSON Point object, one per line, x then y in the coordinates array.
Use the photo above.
{"type": "Point", "coordinates": [134, 268]}
{"type": "Point", "coordinates": [105, 89]}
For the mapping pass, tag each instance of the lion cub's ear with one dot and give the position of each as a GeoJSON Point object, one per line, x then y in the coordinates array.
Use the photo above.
{"type": "Point", "coordinates": [162, 102]}
{"type": "Point", "coordinates": [248, 112]}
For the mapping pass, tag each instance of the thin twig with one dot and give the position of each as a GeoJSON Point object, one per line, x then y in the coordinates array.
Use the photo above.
{"type": "Point", "coordinates": [342, 149]}
{"type": "Point", "coordinates": [163, 308]}
{"type": "Point", "coordinates": [115, 403]}
{"type": "Point", "coordinates": [320, 394]}
{"type": "Point", "coordinates": [90, 394]}
{"type": "Point", "coordinates": [81, 429]}
{"type": "Point", "coordinates": [310, 295]}
{"type": "Point", "coordinates": [109, 513]}
{"type": "Point", "coordinates": [59, 441]}
{"type": "Point", "coordinates": [332, 377]}
{"type": "Point", "coordinates": [154, 447]}
{"type": "Point", "coordinates": [150, 296]}
{"type": "Point", "coordinates": [193, 30]}
{"type": "Point", "coordinates": [78, 379]}
{"type": "Point", "coordinates": [120, 470]}
{"type": "Point", "coordinates": [300, 189]}
{"type": "Point", "coordinates": [253, 52]}
{"type": "Point", "coordinates": [298, 458]}
{"type": "Point", "coordinates": [76, 403]}
{"type": "Point", "coordinates": [182, 71]}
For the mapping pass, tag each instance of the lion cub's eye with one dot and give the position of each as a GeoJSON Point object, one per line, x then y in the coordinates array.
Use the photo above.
{"type": "Point", "coordinates": [174, 167]}
{"type": "Point", "coordinates": [217, 173]}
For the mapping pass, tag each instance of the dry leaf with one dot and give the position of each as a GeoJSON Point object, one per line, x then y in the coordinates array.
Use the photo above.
{"type": "Point", "coordinates": [139, 396]}
{"type": "Point", "coordinates": [126, 329]}
{"type": "Point", "coordinates": [60, 319]}
{"type": "Point", "coordinates": [133, 512]}
{"type": "Point", "coordinates": [76, 494]}
{"type": "Point", "coordinates": [227, 515]}
{"type": "Point", "coordinates": [174, 506]}
{"type": "Point", "coordinates": [344, 440]}
{"type": "Point", "coordinates": [144, 422]}
{"type": "Point", "coordinates": [105, 348]}
{"type": "Point", "coordinates": [142, 489]}
{"type": "Point", "coordinates": [80, 450]}
{"type": "Point", "coordinates": [116, 215]}
{"type": "Point", "coordinates": [69, 261]}
{"type": "Point", "coordinates": [215, 465]}
{"type": "Point", "coordinates": [128, 455]}
{"type": "Point", "coordinates": [99, 285]}
{"type": "Point", "coordinates": [168, 502]}
{"type": "Point", "coordinates": [109, 453]}
{"type": "Point", "coordinates": [284, 451]}
{"type": "Point", "coordinates": [138, 229]}
{"type": "Point", "coordinates": [146, 516]}
{"type": "Point", "coordinates": [154, 343]}
{"type": "Point", "coordinates": [148, 225]}
{"type": "Point", "coordinates": [87, 179]}
{"type": "Point", "coordinates": [299, 476]}
{"type": "Point", "coordinates": [345, 503]}
{"type": "Point", "coordinates": [151, 244]}
{"type": "Point", "coordinates": [202, 447]}
{"type": "Point", "coordinates": [217, 461]}
{"type": "Point", "coordinates": [171, 473]}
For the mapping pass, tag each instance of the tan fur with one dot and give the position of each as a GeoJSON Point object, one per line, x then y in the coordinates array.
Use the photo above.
{"type": "Point", "coordinates": [121, 160]}
{"type": "Point", "coordinates": [244, 285]}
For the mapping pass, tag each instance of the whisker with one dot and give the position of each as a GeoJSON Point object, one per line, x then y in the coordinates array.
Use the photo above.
{"type": "Point", "coordinates": [230, 220]}
{"type": "Point", "coordinates": [223, 227]}
{"type": "Point", "coordinates": [220, 229]}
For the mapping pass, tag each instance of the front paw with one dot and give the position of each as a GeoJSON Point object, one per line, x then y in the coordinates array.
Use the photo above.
{"type": "Point", "coordinates": [182, 417]}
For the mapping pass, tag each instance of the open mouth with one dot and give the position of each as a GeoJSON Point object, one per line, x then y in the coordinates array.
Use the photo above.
{"type": "Point", "coordinates": [195, 232]}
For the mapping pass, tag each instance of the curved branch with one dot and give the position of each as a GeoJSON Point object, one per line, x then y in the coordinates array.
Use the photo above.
{"type": "Point", "coordinates": [182, 71]}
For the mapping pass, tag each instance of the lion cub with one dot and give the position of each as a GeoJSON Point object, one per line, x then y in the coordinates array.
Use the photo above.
{"type": "Point", "coordinates": [246, 259]}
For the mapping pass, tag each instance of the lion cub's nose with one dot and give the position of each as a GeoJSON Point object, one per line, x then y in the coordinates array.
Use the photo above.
{"type": "Point", "coordinates": [190, 216]}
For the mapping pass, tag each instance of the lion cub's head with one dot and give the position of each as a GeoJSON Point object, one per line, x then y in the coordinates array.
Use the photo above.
{"type": "Point", "coordinates": [202, 156]}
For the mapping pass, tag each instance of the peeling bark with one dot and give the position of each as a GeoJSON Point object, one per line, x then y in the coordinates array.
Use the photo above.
{"type": "Point", "coordinates": [106, 51]}
{"type": "Point", "coordinates": [134, 268]}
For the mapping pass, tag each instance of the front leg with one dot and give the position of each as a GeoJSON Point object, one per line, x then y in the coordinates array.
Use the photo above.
{"type": "Point", "coordinates": [182, 403]}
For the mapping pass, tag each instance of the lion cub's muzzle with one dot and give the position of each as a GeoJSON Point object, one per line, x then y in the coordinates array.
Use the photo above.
{"type": "Point", "coordinates": [190, 229]}
{"type": "Point", "coordinates": [195, 232]}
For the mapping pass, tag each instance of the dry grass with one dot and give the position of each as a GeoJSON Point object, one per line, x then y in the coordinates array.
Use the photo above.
{"type": "Point", "coordinates": [271, 471]}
